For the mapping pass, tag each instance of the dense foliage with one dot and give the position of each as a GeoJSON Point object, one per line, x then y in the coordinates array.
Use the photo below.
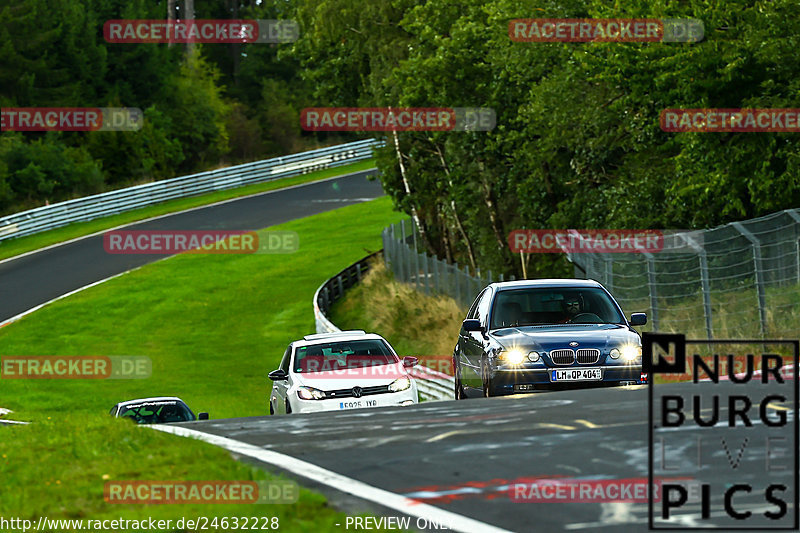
{"type": "Point", "coordinates": [577, 142]}
{"type": "Point", "coordinates": [219, 105]}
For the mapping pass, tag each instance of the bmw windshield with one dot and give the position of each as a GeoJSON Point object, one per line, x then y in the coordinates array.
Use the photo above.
{"type": "Point", "coordinates": [551, 306]}
{"type": "Point", "coordinates": [342, 355]}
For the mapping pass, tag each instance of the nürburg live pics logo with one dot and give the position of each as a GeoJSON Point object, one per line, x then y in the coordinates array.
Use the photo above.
{"type": "Point", "coordinates": [722, 413]}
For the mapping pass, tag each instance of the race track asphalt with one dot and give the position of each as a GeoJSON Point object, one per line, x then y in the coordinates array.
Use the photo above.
{"type": "Point", "coordinates": [471, 457]}
{"type": "Point", "coordinates": [34, 279]}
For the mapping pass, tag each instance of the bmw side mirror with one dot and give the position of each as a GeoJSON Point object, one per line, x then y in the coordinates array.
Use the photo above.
{"type": "Point", "coordinates": [278, 375]}
{"type": "Point", "coordinates": [638, 319]}
{"type": "Point", "coordinates": [202, 416]}
{"type": "Point", "coordinates": [472, 324]}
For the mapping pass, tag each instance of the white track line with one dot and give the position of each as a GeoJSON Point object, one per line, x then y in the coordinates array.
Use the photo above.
{"type": "Point", "coordinates": [89, 286]}
{"type": "Point", "coordinates": [407, 506]}
{"type": "Point", "coordinates": [56, 245]}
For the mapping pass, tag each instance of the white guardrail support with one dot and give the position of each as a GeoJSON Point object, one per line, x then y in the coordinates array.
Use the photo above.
{"type": "Point", "coordinates": [114, 202]}
{"type": "Point", "coordinates": [432, 385]}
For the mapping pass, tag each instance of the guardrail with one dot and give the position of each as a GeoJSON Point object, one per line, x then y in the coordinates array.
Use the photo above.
{"type": "Point", "coordinates": [432, 385]}
{"type": "Point", "coordinates": [114, 202]}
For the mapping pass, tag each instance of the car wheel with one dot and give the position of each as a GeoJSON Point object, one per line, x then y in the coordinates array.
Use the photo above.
{"type": "Point", "coordinates": [488, 387]}
{"type": "Point", "coordinates": [288, 408]}
{"type": "Point", "coordinates": [459, 387]}
{"type": "Point", "coordinates": [271, 409]}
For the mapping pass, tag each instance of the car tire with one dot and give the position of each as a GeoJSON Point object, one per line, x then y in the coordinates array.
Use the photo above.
{"type": "Point", "coordinates": [459, 387]}
{"type": "Point", "coordinates": [288, 408]}
{"type": "Point", "coordinates": [486, 380]}
{"type": "Point", "coordinates": [271, 409]}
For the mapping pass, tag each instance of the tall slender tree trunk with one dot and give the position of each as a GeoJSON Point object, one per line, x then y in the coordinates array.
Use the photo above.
{"type": "Point", "coordinates": [454, 208]}
{"type": "Point", "coordinates": [407, 187]}
{"type": "Point", "coordinates": [188, 7]}
{"type": "Point", "coordinates": [487, 197]}
{"type": "Point", "coordinates": [170, 17]}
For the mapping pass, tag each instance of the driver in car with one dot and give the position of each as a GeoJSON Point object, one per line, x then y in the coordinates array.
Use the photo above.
{"type": "Point", "coordinates": [572, 308]}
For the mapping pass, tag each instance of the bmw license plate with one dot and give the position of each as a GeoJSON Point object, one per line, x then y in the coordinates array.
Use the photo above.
{"type": "Point", "coordinates": [577, 374]}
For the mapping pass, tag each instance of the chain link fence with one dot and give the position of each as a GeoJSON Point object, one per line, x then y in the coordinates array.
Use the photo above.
{"type": "Point", "coordinates": [740, 280]}
{"type": "Point", "coordinates": [734, 281]}
{"type": "Point", "coordinates": [403, 256]}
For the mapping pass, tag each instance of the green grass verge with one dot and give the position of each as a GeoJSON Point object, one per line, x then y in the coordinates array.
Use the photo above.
{"type": "Point", "coordinates": [58, 469]}
{"type": "Point", "coordinates": [213, 326]}
{"type": "Point", "coordinates": [10, 248]}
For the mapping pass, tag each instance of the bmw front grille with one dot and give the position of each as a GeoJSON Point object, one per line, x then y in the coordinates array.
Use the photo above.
{"type": "Point", "coordinates": [585, 356]}
{"type": "Point", "coordinates": [588, 356]}
{"type": "Point", "coordinates": [562, 357]}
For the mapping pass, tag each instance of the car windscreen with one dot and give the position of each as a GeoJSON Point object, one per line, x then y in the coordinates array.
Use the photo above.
{"type": "Point", "coordinates": [162, 412]}
{"type": "Point", "coordinates": [342, 355]}
{"type": "Point", "coordinates": [554, 305]}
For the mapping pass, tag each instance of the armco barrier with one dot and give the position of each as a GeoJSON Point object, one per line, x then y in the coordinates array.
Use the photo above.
{"type": "Point", "coordinates": [114, 202]}
{"type": "Point", "coordinates": [432, 385]}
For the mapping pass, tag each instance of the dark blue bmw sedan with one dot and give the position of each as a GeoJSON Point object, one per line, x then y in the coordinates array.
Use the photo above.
{"type": "Point", "coordinates": [548, 334]}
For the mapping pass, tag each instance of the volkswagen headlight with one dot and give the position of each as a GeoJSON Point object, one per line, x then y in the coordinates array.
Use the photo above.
{"type": "Point", "coordinates": [514, 356]}
{"type": "Point", "coordinates": [400, 384]}
{"type": "Point", "coordinates": [310, 393]}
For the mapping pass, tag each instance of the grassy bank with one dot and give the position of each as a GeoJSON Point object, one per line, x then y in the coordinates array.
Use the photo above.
{"type": "Point", "coordinates": [14, 247]}
{"type": "Point", "coordinates": [213, 327]}
{"type": "Point", "coordinates": [414, 323]}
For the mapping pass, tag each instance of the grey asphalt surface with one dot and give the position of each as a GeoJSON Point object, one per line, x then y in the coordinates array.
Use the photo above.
{"type": "Point", "coordinates": [35, 279]}
{"type": "Point", "coordinates": [466, 456]}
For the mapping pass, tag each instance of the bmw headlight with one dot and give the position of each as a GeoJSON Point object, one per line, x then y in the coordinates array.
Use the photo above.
{"type": "Point", "coordinates": [534, 357]}
{"type": "Point", "coordinates": [514, 356]}
{"type": "Point", "coordinates": [631, 352]}
{"type": "Point", "coordinates": [310, 393]}
{"type": "Point", "coordinates": [628, 353]}
{"type": "Point", "coordinates": [400, 384]}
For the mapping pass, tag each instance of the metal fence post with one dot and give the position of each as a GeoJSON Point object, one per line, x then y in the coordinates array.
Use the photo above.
{"type": "Point", "coordinates": [759, 273]}
{"type": "Point", "coordinates": [705, 283]}
{"type": "Point", "coordinates": [414, 231]}
{"type": "Point", "coordinates": [609, 274]}
{"type": "Point", "coordinates": [425, 269]}
{"type": "Point", "coordinates": [793, 213]}
{"type": "Point", "coordinates": [651, 285]}
{"type": "Point", "coordinates": [436, 275]}
{"type": "Point", "coordinates": [406, 267]}
{"type": "Point", "coordinates": [457, 281]}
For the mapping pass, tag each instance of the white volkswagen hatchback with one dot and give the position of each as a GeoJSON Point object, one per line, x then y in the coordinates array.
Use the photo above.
{"type": "Point", "coordinates": [338, 371]}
